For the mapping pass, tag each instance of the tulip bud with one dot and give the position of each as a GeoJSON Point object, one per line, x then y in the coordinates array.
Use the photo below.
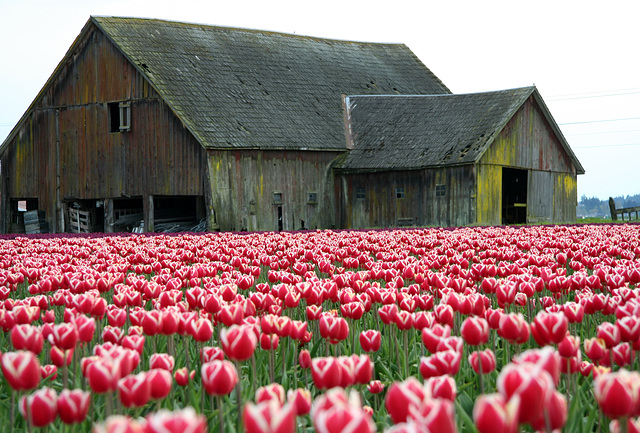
{"type": "Point", "coordinates": [21, 369]}
{"type": "Point", "coordinates": [219, 377]}
{"type": "Point", "coordinates": [268, 416]}
{"type": "Point", "coordinates": [238, 342]}
{"type": "Point", "coordinates": [134, 390]}
{"type": "Point", "coordinates": [492, 413]}
{"type": "Point", "coordinates": [73, 405]}
{"type": "Point", "coordinates": [40, 407]}
{"type": "Point", "coordinates": [486, 358]}
{"type": "Point", "coordinates": [617, 393]}
{"type": "Point", "coordinates": [370, 340]}
{"type": "Point", "coordinates": [475, 331]}
{"type": "Point", "coordinates": [183, 420]}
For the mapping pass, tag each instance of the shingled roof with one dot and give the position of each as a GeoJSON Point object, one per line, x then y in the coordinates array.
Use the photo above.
{"type": "Point", "coordinates": [239, 88]}
{"type": "Point", "coordinates": [412, 132]}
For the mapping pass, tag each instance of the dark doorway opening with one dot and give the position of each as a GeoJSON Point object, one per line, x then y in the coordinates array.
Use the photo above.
{"type": "Point", "coordinates": [18, 208]}
{"type": "Point", "coordinates": [179, 214]}
{"type": "Point", "coordinates": [280, 225]}
{"type": "Point", "coordinates": [84, 216]}
{"type": "Point", "coordinates": [514, 196]}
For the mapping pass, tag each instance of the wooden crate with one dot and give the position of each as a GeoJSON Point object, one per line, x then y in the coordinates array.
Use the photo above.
{"type": "Point", "coordinates": [79, 221]}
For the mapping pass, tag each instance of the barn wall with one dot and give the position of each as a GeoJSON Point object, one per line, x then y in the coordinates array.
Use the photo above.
{"type": "Point", "coordinates": [66, 132]}
{"type": "Point", "coordinates": [528, 142]}
{"type": "Point", "coordinates": [243, 184]}
{"type": "Point", "coordinates": [420, 206]}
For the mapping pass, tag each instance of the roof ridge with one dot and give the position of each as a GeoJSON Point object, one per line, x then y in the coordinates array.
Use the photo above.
{"type": "Point", "coordinates": [245, 29]}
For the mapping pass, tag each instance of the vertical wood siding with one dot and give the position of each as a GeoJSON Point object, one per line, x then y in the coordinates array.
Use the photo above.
{"type": "Point", "coordinates": [158, 156]}
{"type": "Point", "coordinates": [420, 206]}
{"type": "Point", "coordinates": [243, 184]}
{"type": "Point", "coordinates": [528, 142]}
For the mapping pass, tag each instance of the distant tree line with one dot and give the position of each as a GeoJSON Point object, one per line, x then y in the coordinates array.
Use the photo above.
{"type": "Point", "coordinates": [594, 207]}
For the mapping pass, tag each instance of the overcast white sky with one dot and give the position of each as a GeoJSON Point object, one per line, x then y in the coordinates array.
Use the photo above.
{"type": "Point", "coordinates": [582, 55]}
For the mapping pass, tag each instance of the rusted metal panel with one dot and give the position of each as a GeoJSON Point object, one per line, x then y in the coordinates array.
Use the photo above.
{"type": "Point", "coordinates": [399, 198]}
{"type": "Point", "coordinates": [158, 156]}
{"type": "Point", "coordinates": [243, 184]}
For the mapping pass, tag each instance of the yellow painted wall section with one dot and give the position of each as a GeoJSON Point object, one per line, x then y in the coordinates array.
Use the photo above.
{"type": "Point", "coordinates": [489, 196]}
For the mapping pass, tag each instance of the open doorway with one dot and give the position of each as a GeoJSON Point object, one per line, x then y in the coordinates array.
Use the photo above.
{"type": "Point", "coordinates": [514, 196]}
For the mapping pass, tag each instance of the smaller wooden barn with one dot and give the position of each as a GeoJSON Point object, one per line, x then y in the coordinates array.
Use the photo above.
{"type": "Point", "coordinates": [457, 159]}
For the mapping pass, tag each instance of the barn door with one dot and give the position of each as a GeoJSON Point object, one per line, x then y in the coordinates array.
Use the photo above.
{"type": "Point", "coordinates": [514, 196]}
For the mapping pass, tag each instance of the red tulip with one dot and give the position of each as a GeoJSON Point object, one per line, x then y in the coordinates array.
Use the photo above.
{"type": "Point", "coordinates": [219, 377]}
{"type": "Point", "coordinates": [40, 407]}
{"type": "Point", "coordinates": [269, 341]}
{"type": "Point", "coordinates": [65, 336]}
{"type": "Point", "coordinates": [549, 328]}
{"type": "Point", "coordinates": [440, 363]}
{"type": "Point", "coordinates": [86, 327]}
{"type": "Point", "coordinates": [343, 418]}
{"type": "Point", "coordinates": [49, 371]}
{"type": "Point", "coordinates": [492, 413]}
{"type": "Point", "coordinates": [617, 393]}
{"type": "Point", "coordinates": [134, 342]}
{"type": "Point", "coordinates": [363, 369]}
{"type": "Point", "coordinates": [60, 357]}
{"type": "Point", "coordinates": [375, 387]}
{"type": "Point", "coordinates": [594, 348]}
{"type": "Point", "coordinates": [633, 426]}
{"type": "Point", "coordinates": [209, 353]}
{"type": "Point", "coordinates": [160, 381]}
{"type": "Point", "coordinates": [304, 359]}
{"type": "Point", "coordinates": [574, 312]}
{"type": "Point", "coordinates": [73, 405]}
{"type": "Point", "coordinates": [326, 372]}
{"type": "Point", "coordinates": [370, 340]}
{"type": "Point", "coordinates": [117, 317]}
{"type": "Point", "coordinates": [180, 421]}
{"type": "Point", "coordinates": [201, 329]}
{"type": "Point", "coordinates": [629, 328]}
{"type": "Point", "coordinates": [27, 337]}
{"type": "Point", "coordinates": [21, 369]}
{"type": "Point", "coordinates": [274, 391]}
{"type": "Point", "coordinates": [268, 417]}
{"type": "Point", "coordinates": [442, 387]}
{"type": "Point", "coordinates": [119, 424]}
{"type": "Point", "coordinates": [486, 357]}
{"type": "Point", "coordinates": [431, 337]}
{"type": "Point", "coordinates": [530, 383]}
{"type": "Point", "coordinates": [436, 415]}
{"type": "Point", "coordinates": [134, 390]}
{"type": "Point", "coordinates": [162, 360]}
{"type": "Point", "coordinates": [514, 328]}
{"type": "Point", "coordinates": [238, 342]}
{"type": "Point", "coordinates": [152, 322]}
{"type": "Point", "coordinates": [103, 375]}
{"type": "Point", "coordinates": [182, 376]}
{"type": "Point", "coordinates": [546, 357]}
{"type": "Point", "coordinates": [506, 293]}
{"type": "Point", "coordinates": [231, 314]}
{"type": "Point", "coordinates": [609, 333]}
{"type": "Point", "coordinates": [334, 329]}
{"type": "Point", "coordinates": [569, 347]}
{"type": "Point", "coordinates": [475, 331]}
{"type": "Point", "coordinates": [402, 396]}
{"type": "Point", "coordinates": [111, 334]}
{"type": "Point", "coordinates": [300, 400]}
{"type": "Point", "coordinates": [556, 413]}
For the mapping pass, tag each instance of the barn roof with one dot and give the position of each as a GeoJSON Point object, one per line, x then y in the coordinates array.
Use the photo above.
{"type": "Point", "coordinates": [396, 132]}
{"type": "Point", "coordinates": [239, 88]}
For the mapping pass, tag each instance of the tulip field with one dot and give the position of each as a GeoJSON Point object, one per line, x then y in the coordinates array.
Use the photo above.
{"type": "Point", "coordinates": [477, 329]}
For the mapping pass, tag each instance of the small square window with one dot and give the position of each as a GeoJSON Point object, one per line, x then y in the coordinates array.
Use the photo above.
{"type": "Point", "coordinates": [400, 192]}
{"type": "Point", "coordinates": [277, 198]}
{"type": "Point", "coordinates": [119, 116]}
{"type": "Point", "coordinates": [440, 190]}
{"type": "Point", "coordinates": [312, 198]}
{"type": "Point", "coordinates": [360, 193]}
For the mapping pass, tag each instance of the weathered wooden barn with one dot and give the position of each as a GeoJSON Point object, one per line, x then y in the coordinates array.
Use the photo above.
{"type": "Point", "coordinates": [449, 160]}
{"type": "Point", "coordinates": [158, 121]}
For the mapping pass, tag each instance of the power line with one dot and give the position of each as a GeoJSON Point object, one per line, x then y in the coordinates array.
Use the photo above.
{"type": "Point", "coordinates": [594, 93]}
{"type": "Point", "coordinates": [606, 145]}
{"type": "Point", "coordinates": [599, 121]}
{"type": "Point", "coordinates": [604, 132]}
{"type": "Point", "coordinates": [593, 96]}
